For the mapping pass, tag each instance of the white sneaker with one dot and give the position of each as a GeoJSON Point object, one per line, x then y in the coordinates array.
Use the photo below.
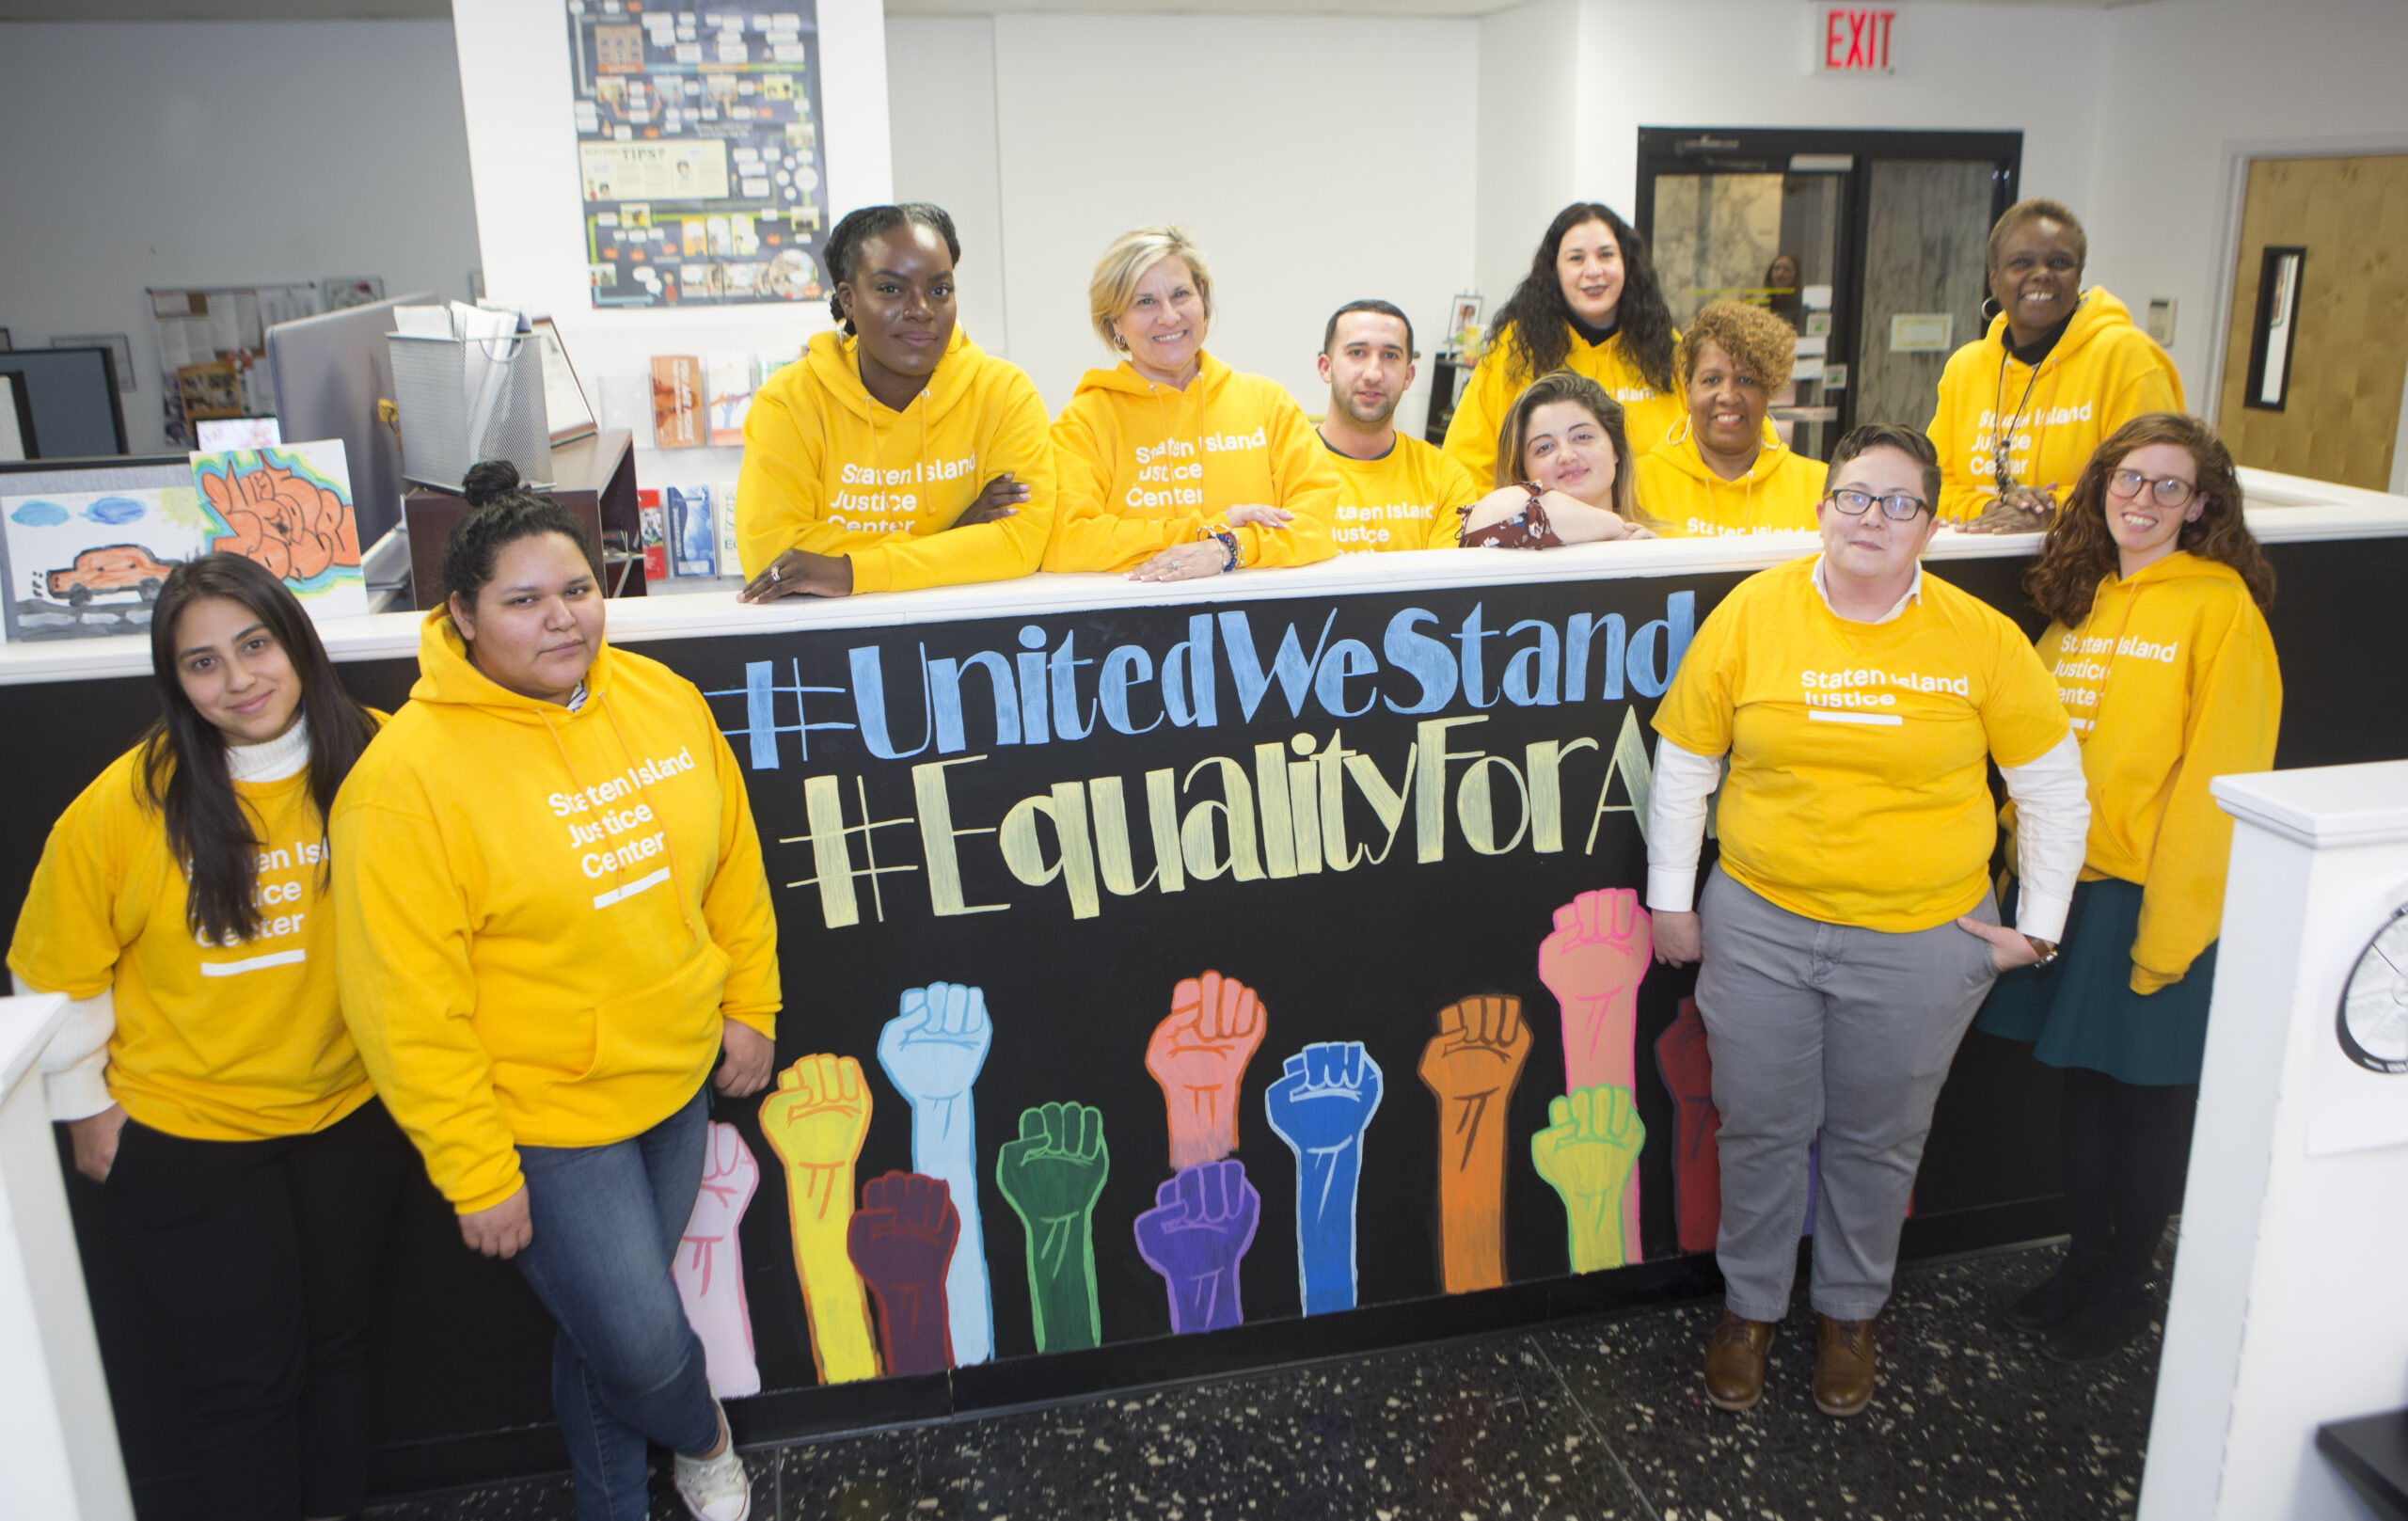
{"type": "Point", "coordinates": [716, 1489]}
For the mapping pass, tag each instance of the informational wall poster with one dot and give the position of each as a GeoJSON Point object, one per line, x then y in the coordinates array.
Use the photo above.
{"type": "Point", "coordinates": [699, 152]}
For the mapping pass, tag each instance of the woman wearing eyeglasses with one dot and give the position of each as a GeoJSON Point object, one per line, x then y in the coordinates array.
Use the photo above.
{"type": "Point", "coordinates": [2061, 367]}
{"type": "Point", "coordinates": [2162, 659]}
{"type": "Point", "coordinates": [1848, 934]}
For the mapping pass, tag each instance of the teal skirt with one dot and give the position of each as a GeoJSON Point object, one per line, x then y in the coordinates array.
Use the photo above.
{"type": "Point", "coordinates": [2080, 1011]}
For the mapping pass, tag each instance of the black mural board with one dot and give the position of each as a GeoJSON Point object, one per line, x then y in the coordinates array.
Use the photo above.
{"type": "Point", "coordinates": [1368, 954]}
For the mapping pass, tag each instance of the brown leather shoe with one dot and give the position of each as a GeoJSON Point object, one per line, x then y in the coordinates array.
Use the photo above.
{"type": "Point", "coordinates": [1735, 1362]}
{"type": "Point", "coordinates": [1844, 1375]}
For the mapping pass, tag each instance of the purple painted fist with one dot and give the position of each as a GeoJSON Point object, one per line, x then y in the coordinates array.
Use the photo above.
{"type": "Point", "coordinates": [1199, 1230]}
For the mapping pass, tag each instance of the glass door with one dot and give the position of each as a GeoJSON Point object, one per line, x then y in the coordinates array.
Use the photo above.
{"type": "Point", "coordinates": [1773, 239]}
{"type": "Point", "coordinates": [1838, 234]}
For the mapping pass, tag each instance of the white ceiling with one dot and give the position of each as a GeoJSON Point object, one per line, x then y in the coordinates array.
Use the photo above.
{"type": "Point", "coordinates": [143, 10]}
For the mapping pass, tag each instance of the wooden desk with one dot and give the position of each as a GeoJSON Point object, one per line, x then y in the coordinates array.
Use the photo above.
{"type": "Point", "coordinates": [595, 479]}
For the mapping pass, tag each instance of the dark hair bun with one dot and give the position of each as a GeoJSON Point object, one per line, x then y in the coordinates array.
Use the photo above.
{"type": "Point", "coordinates": [488, 479]}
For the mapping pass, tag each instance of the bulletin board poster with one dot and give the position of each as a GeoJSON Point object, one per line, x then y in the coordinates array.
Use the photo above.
{"type": "Point", "coordinates": [702, 169]}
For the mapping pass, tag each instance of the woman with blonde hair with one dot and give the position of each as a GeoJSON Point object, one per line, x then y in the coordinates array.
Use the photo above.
{"type": "Point", "coordinates": [1170, 465]}
{"type": "Point", "coordinates": [1563, 473]}
{"type": "Point", "coordinates": [2155, 591]}
{"type": "Point", "coordinates": [1718, 471]}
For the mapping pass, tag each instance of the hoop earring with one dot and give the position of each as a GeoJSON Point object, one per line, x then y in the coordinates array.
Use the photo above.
{"type": "Point", "coordinates": [1680, 430]}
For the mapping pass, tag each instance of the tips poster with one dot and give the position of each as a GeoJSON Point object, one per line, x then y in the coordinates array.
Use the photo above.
{"type": "Point", "coordinates": [699, 151]}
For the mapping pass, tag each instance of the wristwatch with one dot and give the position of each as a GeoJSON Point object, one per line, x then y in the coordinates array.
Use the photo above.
{"type": "Point", "coordinates": [2047, 949]}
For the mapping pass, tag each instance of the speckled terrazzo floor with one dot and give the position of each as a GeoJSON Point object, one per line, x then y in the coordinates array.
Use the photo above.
{"type": "Point", "coordinates": [1600, 1419]}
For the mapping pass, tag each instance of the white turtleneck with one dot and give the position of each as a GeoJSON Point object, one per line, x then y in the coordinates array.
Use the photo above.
{"type": "Point", "coordinates": [273, 760]}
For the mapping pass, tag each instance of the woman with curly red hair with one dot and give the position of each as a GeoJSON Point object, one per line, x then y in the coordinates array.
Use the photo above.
{"type": "Point", "coordinates": [2158, 644]}
{"type": "Point", "coordinates": [1720, 471]}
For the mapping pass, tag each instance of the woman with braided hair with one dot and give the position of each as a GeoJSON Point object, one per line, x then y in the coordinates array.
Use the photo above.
{"type": "Point", "coordinates": [897, 455]}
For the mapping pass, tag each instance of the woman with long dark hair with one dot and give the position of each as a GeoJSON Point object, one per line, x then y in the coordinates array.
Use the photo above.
{"type": "Point", "coordinates": [205, 1073]}
{"type": "Point", "coordinates": [1590, 304]}
{"type": "Point", "coordinates": [2155, 589]}
{"type": "Point", "coordinates": [554, 925]}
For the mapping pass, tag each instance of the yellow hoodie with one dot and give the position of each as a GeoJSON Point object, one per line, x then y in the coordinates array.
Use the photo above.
{"type": "Point", "coordinates": [2169, 682]}
{"type": "Point", "coordinates": [1683, 497]}
{"type": "Point", "coordinates": [2103, 373]}
{"type": "Point", "coordinates": [1410, 498]}
{"type": "Point", "coordinates": [828, 467]}
{"type": "Point", "coordinates": [1143, 466]}
{"type": "Point", "coordinates": [1648, 414]}
{"type": "Point", "coordinates": [544, 915]}
{"type": "Point", "coordinates": [212, 1042]}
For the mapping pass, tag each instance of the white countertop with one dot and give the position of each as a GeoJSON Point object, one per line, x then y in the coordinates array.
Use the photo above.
{"type": "Point", "coordinates": [2322, 806]}
{"type": "Point", "coordinates": [2283, 509]}
{"type": "Point", "coordinates": [26, 1025]}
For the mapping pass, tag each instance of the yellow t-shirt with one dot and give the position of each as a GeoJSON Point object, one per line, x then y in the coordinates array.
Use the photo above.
{"type": "Point", "coordinates": [1410, 498]}
{"type": "Point", "coordinates": [212, 1042]}
{"type": "Point", "coordinates": [1858, 791]}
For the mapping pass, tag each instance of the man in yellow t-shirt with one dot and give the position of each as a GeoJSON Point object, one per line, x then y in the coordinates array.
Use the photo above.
{"type": "Point", "coordinates": [1395, 492]}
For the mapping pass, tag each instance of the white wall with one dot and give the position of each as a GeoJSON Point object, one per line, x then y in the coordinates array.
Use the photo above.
{"type": "Point", "coordinates": [245, 152]}
{"type": "Point", "coordinates": [941, 100]}
{"type": "Point", "coordinates": [1305, 153]}
{"type": "Point", "coordinates": [2188, 83]}
{"type": "Point", "coordinates": [1528, 117]}
{"type": "Point", "coordinates": [1752, 65]}
{"type": "Point", "coordinates": [513, 73]}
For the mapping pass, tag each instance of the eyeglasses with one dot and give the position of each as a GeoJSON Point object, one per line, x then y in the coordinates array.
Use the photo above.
{"type": "Point", "coordinates": [1897, 507]}
{"type": "Point", "coordinates": [2166, 490]}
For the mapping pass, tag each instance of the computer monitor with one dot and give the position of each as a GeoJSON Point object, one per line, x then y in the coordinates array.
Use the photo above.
{"type": "Point", "coordinates": [329, 370]}
{"type": "Point", "coordinates": [71, 399]}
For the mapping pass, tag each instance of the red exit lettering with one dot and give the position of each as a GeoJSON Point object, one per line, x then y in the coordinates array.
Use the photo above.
{"type": "Point", "coordinates": [1856, 41]}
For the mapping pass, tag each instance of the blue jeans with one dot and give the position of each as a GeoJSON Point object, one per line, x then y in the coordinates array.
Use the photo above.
{"type": "Point", "coordinates": [626, 1368]}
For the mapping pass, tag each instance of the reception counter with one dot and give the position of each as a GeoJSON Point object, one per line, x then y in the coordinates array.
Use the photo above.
{"type": "Point", "coordinates": [1383, 794]}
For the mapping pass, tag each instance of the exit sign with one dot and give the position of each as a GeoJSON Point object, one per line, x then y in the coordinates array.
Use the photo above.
{"type": "Point", "coordinates": [1854, 41]}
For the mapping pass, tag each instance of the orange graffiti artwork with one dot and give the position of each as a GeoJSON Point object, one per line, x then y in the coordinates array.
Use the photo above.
{"type": "Point", "coordinates": [294, 526]}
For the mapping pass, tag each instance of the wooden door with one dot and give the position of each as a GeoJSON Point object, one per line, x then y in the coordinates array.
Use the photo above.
{"type": "Point", "coordinates": [2341, 415]}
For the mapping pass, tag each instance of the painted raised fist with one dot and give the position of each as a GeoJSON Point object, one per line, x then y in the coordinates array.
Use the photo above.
{"type": "Point", "coordinates": [1198, 1055]}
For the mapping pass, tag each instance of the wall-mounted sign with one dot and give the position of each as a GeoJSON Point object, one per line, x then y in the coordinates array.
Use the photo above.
{"type": "Point", "coordinates": [1922, 332]}
{"type": "Point", "coordinates": [1852, 41]}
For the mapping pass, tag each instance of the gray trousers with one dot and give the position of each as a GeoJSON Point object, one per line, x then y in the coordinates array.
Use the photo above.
{"type": "Point", "coordinates": [1831, 1031]}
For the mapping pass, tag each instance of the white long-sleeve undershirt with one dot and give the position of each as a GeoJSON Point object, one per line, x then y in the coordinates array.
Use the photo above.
{"type": "Point", "coordinates": [2052, 826]}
